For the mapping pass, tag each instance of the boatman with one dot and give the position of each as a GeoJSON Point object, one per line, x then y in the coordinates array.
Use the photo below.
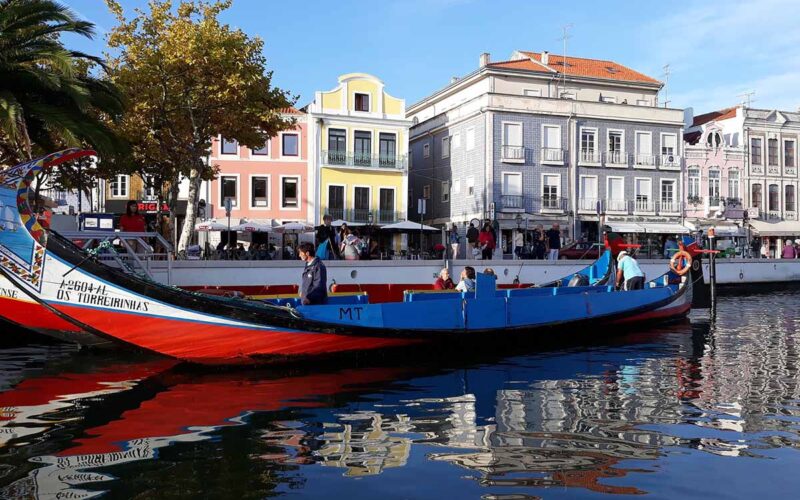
{"type": "Point", "coordinates": [629, 271]}
{"type": "Point", "coordinates": [313, 286]}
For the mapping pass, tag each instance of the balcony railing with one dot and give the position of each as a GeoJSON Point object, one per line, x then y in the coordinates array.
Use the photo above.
{"type": "Point", "coordinates": [590, 156]}
{"type": "Point", "coordinates": [336, 213]}
{"type": "Point", "coordinates": [512, 202]}
{"type": "Point", "coordinates": [515, 154]}
{"type": "Point", "coordinates": [616, 159]}
{"type": "Point", "coordinates": [553, 156]}
{"type": "Point", "coordinates": [644, 161]}
{"type": "Point", "coordinates": [360, 215]}
{"type": "Point", "coordinates": [646, 206]}
{"type": "Point", "coordinates": [364, 216]}
{"type": "Point", "coordinates": [773, 214]}
{"type": "Point", "coordinates": [670, 162]}
{"type": "Point", "coordinates": [347, 159]}
{"type": "Point", "coordinates": [616, 205]}
{"type": "Point", "coordinates": [552, 204]}
{"type": "Point", "coordinates": [714, 201]}
{"type": "Point", "coordinates": [668, 207]}
{"type": "Point", "coordinates": [589, 204]}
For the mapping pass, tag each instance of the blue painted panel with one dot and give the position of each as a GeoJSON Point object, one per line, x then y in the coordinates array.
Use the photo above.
{"type": "Point", "coordinates": [434, 315]}
{"type": "Point", "coordinates": [486, 313]}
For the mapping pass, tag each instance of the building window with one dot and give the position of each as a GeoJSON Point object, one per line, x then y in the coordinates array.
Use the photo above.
{"type": "Point", "coordinates": [361, 204]}
{"type": "Point", "coordinates": [387, 149]}
{"type": "Point", "coordinates": [550, 189]}
{"type": "Point", "coordinates": [362, 150]}
{"type": "Point", "coordinates": [568, 95]}
{"type": "Point", "coordinates": [669, 145]}
{"type": "Point", "coordinates": [693, 190]}
{"type": "Point", "coordinates": [426, 150]}
{"type": "Point", "coordinates": [589, 146]}
{"type": "Point", "coordinates": [229, 189]}
{"type": "Point", "coordinates": [588, 193]}
{"type": "Point", "coordinates": [512, 187]}
{"type": "Point", "coordinates": [714, 140]}
{"type": "Point", "coordinates": [455, 141]}
{"type": "Point", "coordinates": [616, 147]}
{"type": "Point", "coordinates": [644, 189]}
{"type": "Point", "coordinates": [337, 146]}
{"type": "Point", "coordinates": [290, 144]}
{"type": "Point", "coordinates": [336, 202]}
{"type": "Point", "coordinates": [446, 147]}
{"type": "Point", "coordinates": [533, 92]}
{"type": "Point", "coordinates": [445, 191]}
{"type": "Point", "coordinates": [774, 198]}
{"type": "Point", "coordinates": [668, 196]}
{"type": "Point", "coordinates": [469, 139]}
{"type": "Point", "coordinates": [119, 186]}
{"type": "Point", "coordinates": [470, 182]}
{"type": "Point", "coordinates": [756, 195]}
{"type": "Point", "coordinates": [755, 150]}
{"type": "Point", "coordinates": [644, 148]}
{"type": "Point", "coordinates": [290, 192]}
{"type": "Point", "coordinates": [426, 191]}
{"type": "Point", "coordinates": [551, 143]}
{"type": "Point", "coordinates": [229, 147]}
{"type": "Point", "coordinates": [733, 184]}
{"type": "Point", "coordinates": [642, 102]}
{"type": "Point", "coordinates": [713, 187]}
{"type": "Point", "coordinates": [456, 189]}
{"type": "Point", "coordinates": [788, 153]}
{"type": "Point", "coordinates": [259, 191]}
{"type": "Point", "coordinates": [609, 99]}
{"type": "Point", "coordinates": [788, 199]}
{"type": "Point", "coordinates": [512, 141]}
{"type": "Point", "coordinates": [262, 151]}
{"type": "Point", "coordinates": [362, 102]}
{"type": "Point", "coordinates": [772, 151]}
{"type": "Point", "coordinates": [385, 205]}
{"type": "Point", "coordinates": [616, 194]}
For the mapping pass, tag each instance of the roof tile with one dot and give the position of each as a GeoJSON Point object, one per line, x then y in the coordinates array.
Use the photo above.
{"type": "Point", "coordinates": [576, 66]}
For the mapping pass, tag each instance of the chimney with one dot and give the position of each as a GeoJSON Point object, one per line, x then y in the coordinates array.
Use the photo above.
{"type": "Point", "coordinates": [484, 60]}
{"type": "Point", "coordinates": [545, 57]}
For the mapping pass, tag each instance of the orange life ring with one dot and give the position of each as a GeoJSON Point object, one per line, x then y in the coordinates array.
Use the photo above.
{"type": "Point", "coordinates": [681, 262]}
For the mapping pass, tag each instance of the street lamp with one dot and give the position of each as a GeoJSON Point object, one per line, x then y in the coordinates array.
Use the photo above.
{"type": "Point", "coordinates": [369, 218]}
{"type": "Point", "coordinates": [518, 220]}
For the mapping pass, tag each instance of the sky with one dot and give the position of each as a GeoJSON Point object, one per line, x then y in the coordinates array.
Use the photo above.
{"type": "Point", "coordinates": [715, 50]}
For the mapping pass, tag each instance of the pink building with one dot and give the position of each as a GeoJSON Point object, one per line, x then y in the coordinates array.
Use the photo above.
{"type": "Point", "coordinates": [715, 173]}
{"type": "Point", "coordinates": [265, 184]}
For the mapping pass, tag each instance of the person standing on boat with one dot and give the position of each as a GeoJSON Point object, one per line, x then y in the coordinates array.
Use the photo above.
{"type": "Point", "coordinates": [553, 242]}
{"type": "Point", "coordinates": [313, 285]}
{"type": "Point", "coordinates": [629, 272]}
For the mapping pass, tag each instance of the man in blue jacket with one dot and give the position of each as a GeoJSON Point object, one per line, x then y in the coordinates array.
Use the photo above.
{"type": "Point", "coordinates": [313, 286]}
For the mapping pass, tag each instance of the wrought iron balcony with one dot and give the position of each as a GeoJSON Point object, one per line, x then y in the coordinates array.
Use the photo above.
{"type": "Point", "coordinates": [336, 213]}
{"type": "Point", "coordinates": [512, 202]}
{"type": "Point", "coordinates": [669, 207]}
{"type": "Point", "coordinates": [644, 161]}
{"type": "Point", "coordinates": [552, 204]}
{"type": "Point", "coordinates": [347, 159]}
{"type": "Point", "coordinates": [714, 201]}
{"type": "Point", "coordinates": [590, 205]}
{"type": "Point", "coordinates": [644, 206]}
{"type": "Point", "coordinates": [616, 205]}
{"type": "Point", "coordinates": [589, 156]}
{"type": "Point", "coordinates": [670, 162]}
{"type": "Point", "coordinates": [553, 156]}
{"type": "Point", "coordinates": [616, 159]}
{"type": "Point", "coordinates": [364, 216]}
{"type": "Point", "coordinates": [513, 154]}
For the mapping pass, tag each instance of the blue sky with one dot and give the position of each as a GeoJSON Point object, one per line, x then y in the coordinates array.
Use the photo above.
{"type": "Point", "coordinates": [716, 50]}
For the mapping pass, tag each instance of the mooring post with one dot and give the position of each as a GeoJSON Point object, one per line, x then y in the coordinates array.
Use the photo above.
{"type": "Point", "coordinates": [712, 266]}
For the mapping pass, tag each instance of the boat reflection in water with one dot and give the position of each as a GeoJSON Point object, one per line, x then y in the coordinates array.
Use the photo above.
{"type": "Point", "coordinates": [687, 405]}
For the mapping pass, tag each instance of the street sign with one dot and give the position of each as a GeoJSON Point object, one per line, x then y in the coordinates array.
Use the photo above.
{"type": "Point", "coordinates": [422, 206]}
{"type": "Point", "coordinates": [228, 206]}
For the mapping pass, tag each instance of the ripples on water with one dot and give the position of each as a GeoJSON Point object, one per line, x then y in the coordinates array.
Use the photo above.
{"type": "Point", "coordinates": [700, 409]}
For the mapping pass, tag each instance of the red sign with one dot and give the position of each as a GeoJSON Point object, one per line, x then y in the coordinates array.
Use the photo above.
{"type": "Point", "coordinates": [152, 207]}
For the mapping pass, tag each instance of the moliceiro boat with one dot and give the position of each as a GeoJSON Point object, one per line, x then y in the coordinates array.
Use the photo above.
{"type": "Point", "coordinates": [127, 309]}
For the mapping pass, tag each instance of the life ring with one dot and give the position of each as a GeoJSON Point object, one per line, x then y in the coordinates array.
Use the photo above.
{"type": "Point", "coordinates": [681, 262]}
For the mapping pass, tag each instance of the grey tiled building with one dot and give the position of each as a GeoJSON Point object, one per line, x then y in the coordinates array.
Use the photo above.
{"type": "Point", "coordinates": [540, 139]}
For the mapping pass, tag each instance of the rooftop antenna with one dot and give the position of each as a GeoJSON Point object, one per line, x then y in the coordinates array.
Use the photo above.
{"type": "Point", "coordinates": [747, 98]}
{"type": "Point", "coordinates": [564, 37]}
{"type": "Point", "coordinates": [666, 82]}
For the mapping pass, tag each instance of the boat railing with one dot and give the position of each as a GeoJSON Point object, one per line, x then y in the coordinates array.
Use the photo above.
{"type": "Point", "coordinates": [129, 250]}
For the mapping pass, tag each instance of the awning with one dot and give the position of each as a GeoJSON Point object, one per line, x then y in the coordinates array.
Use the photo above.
{"type": "Point", "coordinates": [782, 228]}
{"type": "Point", "coordinates": [625, 227]}
{"type": "Point", "coordinates": [722, 229]}
{"type": "Point", "coordinates": [648, 227]}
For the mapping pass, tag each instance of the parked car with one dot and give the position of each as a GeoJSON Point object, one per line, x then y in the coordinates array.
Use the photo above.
{"type": "Point", "coordinates": [588, 250]}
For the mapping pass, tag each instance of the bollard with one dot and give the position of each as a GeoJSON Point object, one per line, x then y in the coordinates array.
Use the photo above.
{"type": "Point", "coordinates": [712, 267]}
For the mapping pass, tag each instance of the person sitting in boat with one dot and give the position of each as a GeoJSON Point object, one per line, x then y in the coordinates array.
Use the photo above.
{"type": "Point", "coordinates": [629, 272]}
{"type": "Point", "coordinates": [490, 272]}
{"type": "Point", "coordinates": [443, 282]}
{"type": "Point", "coordinates": [313, 286]}
{"type": "Point", "coordinates": [467, 283]}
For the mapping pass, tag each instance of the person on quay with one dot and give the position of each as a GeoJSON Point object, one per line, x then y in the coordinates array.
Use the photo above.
{"type": "Point", "coordinates": [455, 240]}
{"type": "Point", "coordinates": [519, 243]}
{"type": "Point", "coordinates": [313, 285]}
{"type": "Point", "coordinates": [553, 242]}
{"type": "Point", "coordinates": [326, 232]}
{"type": "Point", "coordinates": [467, 282]}
{"type": "Point", "coordinates": [472, 238]}
{"type": "Point", "coordinates": [670, 247]}
{"type": "Point", "coordinates": [755, 246]}
{"type": "Point", "coordinates": [443, 281]}
{"type": "Point", "coordinates": [629, 272]}
{"type": "Point", "coordinates": [538, 242]}
{"type": "Point", "coordinates": [789, 251]}
{"type": "Point", "coordinates": [351, 246]}
{"type": "Point", "coordinates": [133, 222]}
{"type": "Point", "coordinates": [797, 248]}
{"type": "Point", "coordinates": [486, 242]}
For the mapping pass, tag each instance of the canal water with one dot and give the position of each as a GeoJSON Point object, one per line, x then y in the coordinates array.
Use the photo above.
{"type": "Point", "coordinates": [709, 408]}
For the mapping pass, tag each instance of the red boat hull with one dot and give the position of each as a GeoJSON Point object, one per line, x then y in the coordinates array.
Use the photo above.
{"type": "Point", "coordinates": [37, 318]}
{"type": "Point", "coordinates": [220, 344]}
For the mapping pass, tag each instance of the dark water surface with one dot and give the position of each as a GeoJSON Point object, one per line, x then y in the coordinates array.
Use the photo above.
{"type": "Point", "coordinates": [700, 409]}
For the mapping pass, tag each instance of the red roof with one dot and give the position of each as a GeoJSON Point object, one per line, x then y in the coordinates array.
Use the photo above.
{"type": "Point", "coordinates": [291, 110]}
{"type": "Point", "coordinates": [576, 66]}
{"type": "Point", "coordinates": [722, 114]}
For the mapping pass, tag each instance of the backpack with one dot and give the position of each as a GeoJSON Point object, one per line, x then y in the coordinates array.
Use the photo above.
{"type": "Point", "coordinates": [323, 250]}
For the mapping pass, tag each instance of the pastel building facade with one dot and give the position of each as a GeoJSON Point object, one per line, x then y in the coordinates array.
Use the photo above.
{"type": "Point", "coordinates": [267, 184]}
{"type": "Point", "coordinates": [358, 139]}
{"type": "Point", "coordinates": [543, 139]}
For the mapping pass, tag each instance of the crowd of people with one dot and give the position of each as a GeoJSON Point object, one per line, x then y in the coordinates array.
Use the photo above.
{"type": "Point", "coordinates": [535, 244]}
{"type": "Point", "coordinates": [345, 242]}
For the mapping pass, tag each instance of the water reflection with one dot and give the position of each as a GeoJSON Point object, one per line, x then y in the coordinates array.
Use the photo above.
{"type": "Point", "coordinates": [611, 418]}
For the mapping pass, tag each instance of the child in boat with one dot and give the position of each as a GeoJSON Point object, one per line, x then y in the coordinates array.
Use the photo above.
{"type": "Point", "coordinates": [313, 285]}
{"type": "Point", "coordinates": [467, 283]}
{"type": "Point", "coordinates": [443, 282]}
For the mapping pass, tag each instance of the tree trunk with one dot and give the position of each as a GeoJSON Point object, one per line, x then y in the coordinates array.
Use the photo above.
{"type": "Point", "coordinates": [195, 180]}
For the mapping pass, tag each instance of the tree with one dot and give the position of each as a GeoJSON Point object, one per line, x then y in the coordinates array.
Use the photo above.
{"type": "Point", "coordinates": [48, 96]}
{"type": "Point", "coordinates": [188, 78]}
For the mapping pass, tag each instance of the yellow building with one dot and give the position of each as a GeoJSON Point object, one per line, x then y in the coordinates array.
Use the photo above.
{"type": "Point", "coordinates": [359, 153]}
